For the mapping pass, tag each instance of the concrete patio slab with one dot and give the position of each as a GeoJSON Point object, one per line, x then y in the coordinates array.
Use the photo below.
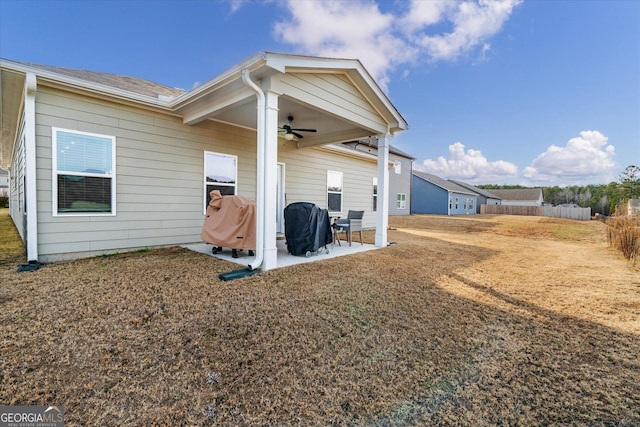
{"type": "Point", "coordinates": [284, 258]}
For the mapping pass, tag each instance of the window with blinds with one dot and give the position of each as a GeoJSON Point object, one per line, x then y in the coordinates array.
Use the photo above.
{"type": "Point", "coordinates": [84, 173]}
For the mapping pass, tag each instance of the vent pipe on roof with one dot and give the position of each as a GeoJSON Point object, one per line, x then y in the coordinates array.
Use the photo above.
{"type": "Point", "coordinates": [260, 211]}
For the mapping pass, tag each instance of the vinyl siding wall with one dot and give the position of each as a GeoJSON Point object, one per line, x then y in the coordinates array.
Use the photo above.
{"type": "Point", "coordinates": [429, 198]}
{"type": "Point", "coordinates": [400, 183]}
{"type": "Point", "coordinates": [16, 182]}
{"type": "Point", "coordinates": [462, 198]}
{"type": "Point", "coordinates": [159, 176]}
{"type": "Point", "coordinates": [332, 92]}
{"type": "Point", "coordinates": [306, 179]}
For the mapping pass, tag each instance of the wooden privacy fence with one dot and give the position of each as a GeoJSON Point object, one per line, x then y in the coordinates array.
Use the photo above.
{"type": "Point", "coordinates": [581, 214]}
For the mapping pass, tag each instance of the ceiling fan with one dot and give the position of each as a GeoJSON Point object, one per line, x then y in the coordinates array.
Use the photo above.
{"type": "Point", "coordinates": [290, 132]}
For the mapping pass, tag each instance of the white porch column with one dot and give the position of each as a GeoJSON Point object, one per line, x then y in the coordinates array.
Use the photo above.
{"type": "Point", "coordinates": [270, 180]}
{"type": "Point", "coordinates": [382, 214]}
{"type": "Point", "coordinates": [31, 201]}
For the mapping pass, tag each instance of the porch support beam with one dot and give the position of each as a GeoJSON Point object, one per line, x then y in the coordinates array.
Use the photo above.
{"type": "Point", "coordinates": [382, 214]}
{"type": "Point", "coordinates": [270, 180]}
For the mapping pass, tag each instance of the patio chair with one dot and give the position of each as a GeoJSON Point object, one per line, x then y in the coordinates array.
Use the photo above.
{"type": "Point", "coordinates": [353, 222]}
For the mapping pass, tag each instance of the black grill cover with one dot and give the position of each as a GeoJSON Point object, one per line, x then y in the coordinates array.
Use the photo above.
{"type": "Point", "coordinates": [306, 228]}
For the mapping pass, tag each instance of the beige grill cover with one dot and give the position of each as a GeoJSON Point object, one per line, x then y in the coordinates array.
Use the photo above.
{"type": "Point", "coordinates": [230, 222]}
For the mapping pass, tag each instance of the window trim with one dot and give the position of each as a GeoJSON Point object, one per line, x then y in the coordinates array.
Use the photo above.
{"type": "Point", "coordinates": [55, 173]}
{"type": "Point", "coordinates": [401, 202]}
{"type": "Point", "coordinates": [374, 196]}
{"type": "Point", "coordinates": [341, 192]}
{"type": "Point", "coordinates": [205, 194]}
{"type": "Point", "coordinates": [397, 168]}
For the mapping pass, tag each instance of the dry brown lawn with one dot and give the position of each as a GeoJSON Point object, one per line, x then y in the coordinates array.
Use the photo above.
{"type": "Point", "coordinates": [479, 321]}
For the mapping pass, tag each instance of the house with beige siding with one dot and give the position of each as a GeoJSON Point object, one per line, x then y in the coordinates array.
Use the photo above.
{"type": "Point", "coordinates": [102, 163]}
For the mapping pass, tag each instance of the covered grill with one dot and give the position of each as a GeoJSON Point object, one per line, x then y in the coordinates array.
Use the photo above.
{"type": "Point", "coordinates": [230, 222]}
{"type": "Point", "coordinates": [306, 228]}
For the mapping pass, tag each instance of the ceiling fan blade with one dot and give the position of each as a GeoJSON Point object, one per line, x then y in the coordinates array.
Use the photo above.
{"type": "Point", "coordinates": [297, 135]}
{"type": "Point", "coordinates": [305, 130]}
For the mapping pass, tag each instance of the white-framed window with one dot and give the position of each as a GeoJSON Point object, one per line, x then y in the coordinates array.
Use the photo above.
{"type": "Point", "coordinates": [220, 173]}
{"type": "Point", "coordinates": [401, 201]}
{"type": "Point", "coordinates": [457, 203]}
{"type": "Point", "coordinates": [84, 178]}
{"type": "Point", "coordinates": [334, 191]}
{"type": "Point", "coordinates": [374, 205]}
{"type": "Point", "coordinates": [450, 203]}
{"type": "Point", "coordinates": [470, 204]}
{"type": "Point", "coordinates": [397, 167]}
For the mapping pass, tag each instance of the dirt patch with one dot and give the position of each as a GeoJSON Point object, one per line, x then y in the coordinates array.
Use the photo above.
{"type": "Point", "coordinates": [483, 320]}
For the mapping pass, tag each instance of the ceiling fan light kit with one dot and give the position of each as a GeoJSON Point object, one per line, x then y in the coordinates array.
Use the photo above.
{"type": "Point", "coordinates": [290, 133]}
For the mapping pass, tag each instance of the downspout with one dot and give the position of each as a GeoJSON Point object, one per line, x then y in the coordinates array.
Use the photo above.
{"type": "Point", "coordinates": [31, 235]}
{"type": "Point", "coordinates": [257, 261]}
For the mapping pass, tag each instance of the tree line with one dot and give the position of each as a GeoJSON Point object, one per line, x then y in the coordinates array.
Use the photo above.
{"type": "Point", "coordinates": [601, 198]}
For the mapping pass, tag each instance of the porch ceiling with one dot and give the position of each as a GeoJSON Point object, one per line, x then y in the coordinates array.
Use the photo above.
{"type": "Point", "coordinates": [330, 129]}
{"type": "Point", "coordinates": [11, 88]}
{"type": "Point", "coordinates": [235, 104]}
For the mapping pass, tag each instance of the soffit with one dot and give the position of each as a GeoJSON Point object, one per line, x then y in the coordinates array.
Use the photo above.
{"type": "Point", "coordinates": [11, 90]}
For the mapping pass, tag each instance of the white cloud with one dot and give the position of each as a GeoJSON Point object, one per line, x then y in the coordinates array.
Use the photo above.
{"type": "Point", "coordinates": [469, 166]}
{"type": "Point", "coordinates": [422, 14]}
{"type": "Point", "coordinates": [473, 24]}
{"type": "Point", "coordinates": [235, 5]}
{"type": "Point", "coordinates": [585, 159]}
{"type": "Point", "coordinates": [384, 41]}
{"type": "Point", "coordinates": [353, 29]}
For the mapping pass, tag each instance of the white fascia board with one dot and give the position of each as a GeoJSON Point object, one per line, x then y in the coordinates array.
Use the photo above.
{"type": "Point", "coordinates": [194, 115]}
{"type": "Point", "coordinates": [232, 74]}
{"type": "Point", "coordinates": [300, 63]}
{"type": "Point", "coordinates": [380, 102]}
{"type": "Point", "coordinates": [349, 152]}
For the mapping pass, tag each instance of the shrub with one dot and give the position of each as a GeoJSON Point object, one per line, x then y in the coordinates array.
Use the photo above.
{"type": "Point", "coordinates": [4, 202]}
{"type": "Point", "coordinates": [624, 235]}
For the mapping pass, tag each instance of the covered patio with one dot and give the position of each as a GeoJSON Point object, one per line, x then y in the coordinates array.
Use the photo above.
{"type": "Point", "coordinates": [337, 98]}
{"type": "Point", "coordinates": [284, 259]}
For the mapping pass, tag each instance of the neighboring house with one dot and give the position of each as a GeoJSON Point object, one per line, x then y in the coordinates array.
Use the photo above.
{"type": "Point", "coordinates": [4, 182]}
{"type": "Point", "coordinates": [400, 167]}
{"type": "Point", "coordinates": [520, 196]}
{"type": "Point", "coordinates": [485, 197]}
{"type": "Point", "coordinates": [103, 163]}
{"type": "Point", "coordinates": [434, 195]}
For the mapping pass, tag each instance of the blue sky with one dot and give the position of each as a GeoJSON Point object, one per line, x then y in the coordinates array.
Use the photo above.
{"type": "Point", "coordinates": [495, 92]}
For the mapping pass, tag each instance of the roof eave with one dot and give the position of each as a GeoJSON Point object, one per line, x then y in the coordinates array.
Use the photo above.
{"type": "Point", "coordinates": [354, 70]}
{"type": "Point", "coordinates": [52, 79]}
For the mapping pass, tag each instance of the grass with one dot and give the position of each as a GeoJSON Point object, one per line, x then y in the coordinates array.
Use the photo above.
{"type": "Point", "coordinates": [11, 247]}
{"type": "Point", "coordinates": [466, 321]}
